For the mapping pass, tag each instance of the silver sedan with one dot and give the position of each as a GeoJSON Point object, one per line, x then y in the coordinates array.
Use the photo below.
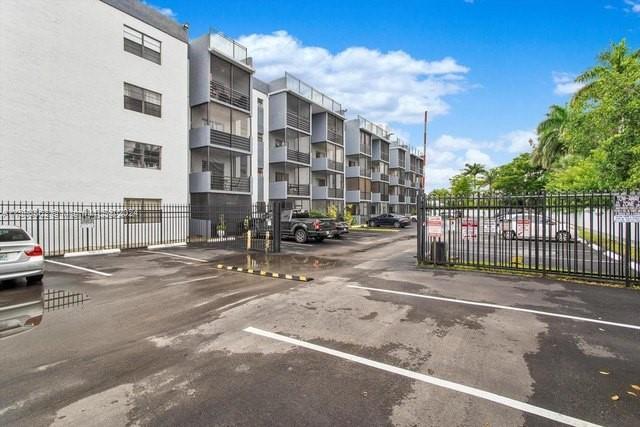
{"type": "Point", "coordinates": [20, 255]}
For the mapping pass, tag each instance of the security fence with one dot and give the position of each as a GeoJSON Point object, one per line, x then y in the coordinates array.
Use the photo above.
{"type": "Point", "coordinates": [589, 235]}
{"type": "Point", "coordinates": [64, 227]}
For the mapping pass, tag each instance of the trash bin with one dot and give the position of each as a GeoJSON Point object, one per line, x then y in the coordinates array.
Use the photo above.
{"type": "Point", "coordinates": [438, 253]}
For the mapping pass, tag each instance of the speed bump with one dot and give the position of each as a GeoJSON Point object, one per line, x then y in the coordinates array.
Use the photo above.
{"type": "Point", "coordinates": [265, 273]}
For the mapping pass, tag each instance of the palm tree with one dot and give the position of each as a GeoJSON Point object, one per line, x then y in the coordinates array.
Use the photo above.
{"type": "Point", "coordinates": [551, 138]}
{"type": "Point", "coordinates": [616, 60]}
{"type": "Point", "coordinates": [489, 178]}
{"type": "Point", "coordinates": [473, 170]}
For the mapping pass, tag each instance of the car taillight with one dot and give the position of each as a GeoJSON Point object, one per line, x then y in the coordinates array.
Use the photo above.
{"type": "Point", "coordinates": [36, 251]}
{"type": "Point", "coordinates": [34, 321]}
{"type": "Point", "coordinates": [316, 224]}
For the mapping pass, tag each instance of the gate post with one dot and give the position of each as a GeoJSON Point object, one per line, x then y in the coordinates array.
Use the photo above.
{"type": "Point", "coordinates": [627, 255]}
{"type": "Point", "coordinates": [275, 224]}
{"type": "Point", "coordinates": [420, 222]}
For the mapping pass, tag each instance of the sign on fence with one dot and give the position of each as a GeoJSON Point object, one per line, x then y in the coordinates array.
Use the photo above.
{"type": "Point", "coordinates": [87, 221]}
{"type": "Point", "coordinates": [469, 228]}
{"type": "Point", "coordinates": [523, 227]}
{"type": "Point", "coordinates": [434, 227]}
{"type": "Point", "coordinates": [627, 208]}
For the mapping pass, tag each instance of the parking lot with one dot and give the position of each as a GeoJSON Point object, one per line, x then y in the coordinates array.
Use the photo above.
{"type": "Point", "coordinates": [173, 337]}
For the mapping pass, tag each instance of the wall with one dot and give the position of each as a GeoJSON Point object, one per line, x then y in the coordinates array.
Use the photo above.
{"type": "Point", "coordinates": [63, 120]}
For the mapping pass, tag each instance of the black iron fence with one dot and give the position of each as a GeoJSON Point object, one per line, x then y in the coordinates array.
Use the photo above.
{"type": "Point", "coordinates": [64, 227]}
{"type": "Point", "coordinates": [571, 234]}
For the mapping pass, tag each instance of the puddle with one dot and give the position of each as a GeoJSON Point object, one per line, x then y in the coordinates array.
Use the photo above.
{"type": "Point", "coordinates": [288, 263]}
{"type": "Point", "coordinates": [22, 307]}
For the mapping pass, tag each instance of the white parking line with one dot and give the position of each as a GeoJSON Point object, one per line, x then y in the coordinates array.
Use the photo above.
{"type": "Point", "coordinates": [78, 268]}
{"type": "Point", "coordinates": [184, 282]}
{"type": "Point", "coordinates": [237, 302]}
{"type": "Point", "coordinates": [496, 398]}
{"type": "Point", "coordinates": [175, 255]}
{"type": "Point", "coordinates": [503, 307]}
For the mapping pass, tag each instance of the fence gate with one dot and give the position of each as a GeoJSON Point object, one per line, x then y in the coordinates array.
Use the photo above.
{"type": "Point", "coordinates": [236, 228]}
{"type": "Point", "coordinates": [572, 234]}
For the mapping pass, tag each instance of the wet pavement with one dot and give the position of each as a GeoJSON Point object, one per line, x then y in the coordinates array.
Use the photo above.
{"type": "Point", "coordinates": [166, 339]}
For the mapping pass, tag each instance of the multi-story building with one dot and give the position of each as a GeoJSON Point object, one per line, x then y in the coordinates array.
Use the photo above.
{"type": "Point", "coordinates": [398, 154]}
{"type": "Point", "coordinates": [292, 104]}
{"type": "Point", "coordinates": [359, 136]}
{"type": "Point", "coordinates": [260, 150]}
{"type": "Point", "coordinates": [379, 171]}
{"type": "Point", "coordinates": [94, 102]}
{"type": "Point", "coordinates": [220, 135]}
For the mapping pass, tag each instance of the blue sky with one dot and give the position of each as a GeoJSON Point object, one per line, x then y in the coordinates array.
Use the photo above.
{"type": "Point", "coordinates": [487, 69]}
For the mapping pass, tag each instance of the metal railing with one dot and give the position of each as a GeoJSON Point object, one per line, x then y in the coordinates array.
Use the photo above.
{"type": "Point", "coordinates": [228, 140]}
{"type": "Point", "coordinates": [335, 192]}
{"type": "Point", "coordinates": [298, 189]}
{"type": "Point", "coordinates": [567, 234]}
{"type": "Point", "coordinates": [228, 183]}
{"type": "Point", "coordinates": [298, 86]}
{"type": "Point", "coordinates": [227, 46]}
{"type": "Point", "coordinates": [230, 96]}
{"type": "Point", "coordinates": [298, 156]}
{"type": "Point", "coordinates": [298, 122]}
{"type": "Point", "coordinates": [372, 127]}
{"type": "Point", "coordinates": [333, 136]}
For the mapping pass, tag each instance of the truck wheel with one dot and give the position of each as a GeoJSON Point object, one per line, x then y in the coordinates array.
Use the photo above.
{"type": "Point", "coordinates": [301, 235]}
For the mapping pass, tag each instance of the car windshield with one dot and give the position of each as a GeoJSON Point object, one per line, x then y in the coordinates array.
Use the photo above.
{"type": "Point", "coordinates": [13, 235]}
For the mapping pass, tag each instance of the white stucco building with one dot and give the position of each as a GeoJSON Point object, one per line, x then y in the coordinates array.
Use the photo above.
{"type": "Point", "coordinates": [94, 102]}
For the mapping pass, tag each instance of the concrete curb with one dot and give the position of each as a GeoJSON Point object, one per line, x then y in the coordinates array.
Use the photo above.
{"type": "Point", "coordinates": [265, 273]}
{"type": "Point", "coordinates": [87, 253]}
{"type": "Point", "coordinates": [167, 245]}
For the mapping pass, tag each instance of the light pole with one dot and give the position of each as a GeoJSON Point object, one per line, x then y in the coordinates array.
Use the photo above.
{"type": "Point", "coordinates": [424, 155]}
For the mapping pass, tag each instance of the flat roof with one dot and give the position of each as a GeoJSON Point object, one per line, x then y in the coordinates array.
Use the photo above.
{"type": "Point", "coordinates": [150, 16]}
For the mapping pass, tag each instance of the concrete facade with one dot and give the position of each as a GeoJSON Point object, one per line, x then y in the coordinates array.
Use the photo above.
{"type": "Point", "coordinates": [63, 118]}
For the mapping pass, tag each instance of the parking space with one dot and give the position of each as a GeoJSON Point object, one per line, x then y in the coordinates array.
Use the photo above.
{"type": "Point", "coordinates": [370, 341]}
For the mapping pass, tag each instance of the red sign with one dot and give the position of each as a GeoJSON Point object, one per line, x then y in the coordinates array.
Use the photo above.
{"type": "Point", "coordinates": [469, 228]}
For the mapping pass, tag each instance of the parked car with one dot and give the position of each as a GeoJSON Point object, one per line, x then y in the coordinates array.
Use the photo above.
{"type": "Point", "coordinates": [528, 226]}
{"type": "Point", "coordinates": [341, 228]}
{"type": "Point", "coordinates": [414, 218]}
{"type": "Point", "coordinates": [394, 220]}
{"type": "Point", "coordinates": [20, 255]}
{"type": "Point", "coordinates": [299, 226]}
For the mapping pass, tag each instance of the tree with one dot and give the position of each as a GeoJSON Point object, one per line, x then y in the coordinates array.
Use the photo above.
{"type": "Point", "coordinates": [520, 176]}
{"type": "Point", "coordinates": [551, 138]}
{"type": "Point", "coordinates": [461, 185]}
{"type": "Point", "coordinates": [439, 192]}
{"type": "Point", "coordinates": [473, 170]}
{"type": "Point", "coordinates": [489, 178]}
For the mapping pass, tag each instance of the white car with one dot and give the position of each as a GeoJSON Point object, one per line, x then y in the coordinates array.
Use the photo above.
{"type": "Point", "coordinates": [530, 226]}
{"type": "Point", "coordinates": [20, 255]}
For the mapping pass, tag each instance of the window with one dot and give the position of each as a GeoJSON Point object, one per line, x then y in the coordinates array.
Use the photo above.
{"type": "Point", "coordinates": [139, 155]}
{"type": "Point", "coordinates": [142, 100]}
{"type": "Point", "coordinates": [230, 83]}
{"type": "Point", "coordinates": [143, 211]}
{"type": "Point", "coordinates": [142, 45]}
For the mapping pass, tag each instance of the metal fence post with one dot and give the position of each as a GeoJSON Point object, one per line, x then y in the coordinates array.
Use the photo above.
{"type": "Point", "coordinates": [420, 221]}
{"type": "Point", "coordinates": [627, 255]}
{"type": "Point", "coordinates": [275, 223]}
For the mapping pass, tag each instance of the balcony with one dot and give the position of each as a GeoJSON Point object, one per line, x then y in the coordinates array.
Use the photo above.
{"type": "Point", "coordinates": [396, 180]}
{"type": "Point", "coordinates": [295, 121]}
{"type": "Point", "coordinates": [298, 190]}
{"type": "Point", "coordinates": [365, 149]}
{"type": "Point", "coordinates": [322, 193]}
{"type": "Point", "coordinates": [357, 171]}
{"type": "Point", "coordinates": [372, 127]}
{"type": "Point", "coordinates": [379, 176]}
{"type": "Point", "coordinates": [295, 85]}
{"type": "Point", "coordinates": [323, 164]}
{"type": "Point", "coordinates": [333, 136]}
{"type": "Point", "coordinates": [228, 183]}
{"type": "Point", "coordinates": [228, 47]}
{"type": "Point", "coordinates": [229, 96]}
{"type": "Point", "coordinates": [205, 136]}
{"type": "Point", "coordinates": [283, 154]}
{"type": "Point", "coordinates": [393, 199]}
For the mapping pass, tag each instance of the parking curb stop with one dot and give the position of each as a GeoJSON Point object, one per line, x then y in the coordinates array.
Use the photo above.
{"type": "Point", "coordinates": [263, 273]}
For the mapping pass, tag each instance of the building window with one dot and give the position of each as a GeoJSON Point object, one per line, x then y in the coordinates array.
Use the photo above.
{"type": "Point", "coordinates": [143, 211]}
{"type": "Point", "coordinates": [142, 100]}
{"type": "Point", "coordinates": [142, 45]}
{"type": "Point", "coordinates": [140, 155]}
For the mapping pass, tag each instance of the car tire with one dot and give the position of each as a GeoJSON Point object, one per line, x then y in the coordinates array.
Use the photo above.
{"type": "Point", "coordinates": [396, 224]}
{"type": "Point", "coordinates": [301, 235]}
{"type": "Point", "coordinates": [372, 223]}
{"type": "Point", "coordinates": [509, 235]}
{"type": "Point", "coordinates": [34, 279]}
{"type": "Point", "coordinates": [563, 236]}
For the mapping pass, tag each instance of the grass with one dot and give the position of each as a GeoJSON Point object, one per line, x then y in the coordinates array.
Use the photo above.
{"type": "Point", "coordinates": [607, 243]}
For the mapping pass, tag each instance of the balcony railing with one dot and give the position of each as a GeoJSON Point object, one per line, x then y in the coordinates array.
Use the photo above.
{"type": "Point", "coordinates": [298, 156]}
{"type": "Point", "coordinates": [298, 189]}
{"type": "Point", "coordinates": [301, 88]}
{"type": "Point", "coordinates": [372, 127]}
{"type": "Point", "coordinates": [384, 197]}
{"type": "Point", "coordinates": [365, 195]}
{"type": "Point", "coordinates": [401, 198]}
{"type": "Point", "coordinates": [335, 192]}
{"type": "Point", "coordinates": [228, 140]}
{"type": "Point", "coordinates": [228, 183]}
{"type": "Point", "coordinates": [333, 136]}
{"type": "Point", "coordinates": [227, 95]}
{"type": "Point", "coordinates": [298, 122]}
{"type": "Point", "coordinates": [227, 46]}
{"type": "Point", "coordinates": [366, 149]}
{"type": "Point", "coordinates": [384, 177]}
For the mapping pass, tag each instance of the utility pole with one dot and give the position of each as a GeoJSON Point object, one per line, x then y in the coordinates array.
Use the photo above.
{"type": "Point", "coordinates": [424, 155]}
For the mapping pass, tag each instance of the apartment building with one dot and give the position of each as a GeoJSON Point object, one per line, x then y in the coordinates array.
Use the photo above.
{"type": "Point", "coordinates": [359, 143]}
{"type": "Point", "coordinates": [220, 138]}
{"type": "Point", "coordinates": [94, 102]}
{"type": "Point", "coordinates": [296, 111]}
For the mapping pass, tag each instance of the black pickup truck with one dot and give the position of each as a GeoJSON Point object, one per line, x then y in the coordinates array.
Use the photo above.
{"type": "Point", "coordinates": [301, 227]}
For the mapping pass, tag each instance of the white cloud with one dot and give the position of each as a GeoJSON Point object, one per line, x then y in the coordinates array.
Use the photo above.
{"type": "Point", "coordinates": [166, 11]}
{"type": "Point", "coordinates": [634, 6]}
{"type": "Point", "coordinates": [565, 83]}
{"type": "Point", "coordinates": [448, 154]}
{"type": "Point", "coordinates": [469, 1]}
{"type": "Point", "coordinates": [388, 87]}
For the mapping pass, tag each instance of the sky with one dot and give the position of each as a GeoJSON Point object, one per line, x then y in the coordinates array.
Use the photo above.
{"type": "Point", "coordinates": [486, 70]}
